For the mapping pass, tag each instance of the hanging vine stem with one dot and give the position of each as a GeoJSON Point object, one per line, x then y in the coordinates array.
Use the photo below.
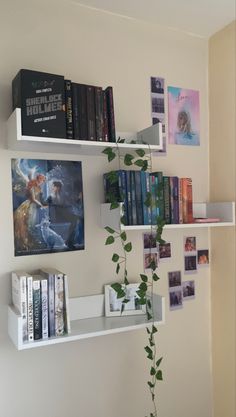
{"type": "Point", "coordinates": [144, 162]}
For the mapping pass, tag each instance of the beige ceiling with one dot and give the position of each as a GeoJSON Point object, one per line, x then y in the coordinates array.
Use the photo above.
{"type": "Point", "coordinates": [199, 17]}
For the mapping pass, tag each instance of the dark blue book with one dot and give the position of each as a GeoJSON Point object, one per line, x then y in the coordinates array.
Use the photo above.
{"type": "Point", "coordinates": [133, 198]}
{"type": "Point", "coordinates": [128, 188]}
{"type": "Point", "coordinates": [145, 187]}
{"type": "Point", "coordinates": [167, 205]}
{"type": "Point", "coordinates": [159, 193]}
{"type": "Point", "coordinates": [174, 195]}
{"type": "Point", "coordinates": [69, 110]}
{"type": "Point", "coordinates": [153, 191]}
{"type": "Point", "coordinates": [138, 197]}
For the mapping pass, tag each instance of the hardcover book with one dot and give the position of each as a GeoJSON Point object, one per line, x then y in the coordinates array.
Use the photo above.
{"type": "Point", "coordinates": [41, 97]}
{"type": "Point", "coordinates": [44, 299]}
{"type": "Point", "coordinates": [59, 305]}
{"type": "Point", "coordinates": [37, 312]}
{"type": "Point", "coordinates": [19, 298]}
{"type": "Point", "coordinates": [110, 114]}
{"type": "Point", "coordinates": [30, 317]}
{"type": "Point", "coordinates": [69, 110]}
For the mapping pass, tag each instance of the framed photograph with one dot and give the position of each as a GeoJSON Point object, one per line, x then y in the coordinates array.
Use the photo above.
{"type": "Point", "coordinates": [176, 298]}
{"type": "Point", "coordinates": [188, 290]}
{"type": "Point", "coordinates": [174, 279]}
{"type": "Point", "coordinates": [116, 307]}
{"type": "Point", "coordinates": [203, 257]}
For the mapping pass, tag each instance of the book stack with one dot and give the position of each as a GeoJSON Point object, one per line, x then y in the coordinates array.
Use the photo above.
{"type": "Point", "coordinates": [52, 106]}
{"type": "Point", "coordinates": [43, 303]}
{"type": "Point", "coordinates": [169, 197]}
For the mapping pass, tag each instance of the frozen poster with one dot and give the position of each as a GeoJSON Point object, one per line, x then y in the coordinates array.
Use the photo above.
{"type": "Point", "coordinates": [48, 208]}
{"type": "Point", "coordinates": [184, 124]}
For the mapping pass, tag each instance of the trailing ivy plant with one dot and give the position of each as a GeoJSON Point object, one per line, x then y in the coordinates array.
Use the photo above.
{"type": "Point", "coordinates": [145, 291]}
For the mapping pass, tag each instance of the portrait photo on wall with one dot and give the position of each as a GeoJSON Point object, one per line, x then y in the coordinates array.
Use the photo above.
{"type": "Point", "coordinates": [48, 209]}
{"type": "Point", "coordinates": [184, 116]}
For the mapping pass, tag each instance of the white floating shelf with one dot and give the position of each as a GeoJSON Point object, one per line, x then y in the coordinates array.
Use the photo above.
{"type": "Point", "coordinates": [19, 142]}
{"type": "Point", "coordinates": [224, 211]}
{"type": "Point", "coordinates": [87, 320]}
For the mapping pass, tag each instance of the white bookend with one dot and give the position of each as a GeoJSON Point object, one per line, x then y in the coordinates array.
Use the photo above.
{"type": "Point", "coordinates": [19, 299]}
{"type": "Point", "coordinates": [66, 306]}
{"type": "Point", "coordinates": [30, 308]}
{"type": "Point", "coordinates": [59, 305]}
{"type": "Point", "coordinates": [44, 299]}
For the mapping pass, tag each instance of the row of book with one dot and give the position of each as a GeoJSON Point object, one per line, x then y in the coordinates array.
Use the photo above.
{"type": "Point", "coordinates": [52, 106]}
{"type": "Point", "coordinates": [170, 197]}
{"type": "Point", "coordinates": [42, 301]}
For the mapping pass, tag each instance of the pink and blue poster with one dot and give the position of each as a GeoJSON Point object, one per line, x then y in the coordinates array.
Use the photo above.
{"type": "Point", "coordinates": [184, 118]}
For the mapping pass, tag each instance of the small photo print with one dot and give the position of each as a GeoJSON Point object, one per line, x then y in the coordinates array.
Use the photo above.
{"type": "Point", "coordinates": [176, 299]}
{"type": "Point", "coordinates": [164, 251]}
{"type": "Point", "coordinates": [190, 244]}
{"type": "Point", "coordinates": [190, 264]}
{"type": "Point", "coordinates": [150, 259]}
{"type": "Point", "coordinates": [149, 241]}
{"type": "Point", "coordinates": [203, 257]}
{"type": "Point", "coordinates": [116, 307]}
{"type": "Point", "coordinates": [157, 85]}
{"type": "Point", "coordinates": [174, 279]}
{"type": "Point", "coordinates": [188, 290]}
{"type": "Point", "coordinates": [158, 104]}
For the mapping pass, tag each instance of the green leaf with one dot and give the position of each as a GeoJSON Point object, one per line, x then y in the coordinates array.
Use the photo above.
{"type": "Point", "coordinates": [112, 176]}
{"type": "Point", "coordinates": [144, 278]}
{"type": "Point", "coordinates": [141, 301]}
{"type": "Point", "coordinates": [155, 277]}
{"type": "Point", "coordinates": [128, 159]}
{"type": "Point", "coordinates": [148, 200]}
{"type": "Point", "coordinates": [140, 152]}
{"type": "Point", "coordinates": [148, 330]}
{"type": "Point", "coordinates": [154, 329]}
{"type": "Point", "coordinates": [126, 281]}
{"type": "Point", "coordinates": [151, 342]}
{"type": "Point", "coordinates": [116, 286]}
{"type": "Point", "coordinates": [117, 268]}
{"type": "Point", "coordinates": [148, 349]}
{"type": "Point", "coordinates": [151, 385]}
{"type": "Point", "coordinates": [110, 240]}
{"type": "Point", "coordinates": [128, 247]}
{"type": "Point", "coordinates": [126, 300]}
{"type": "Point", "coordinates": [115, 257]}
{"type": "Point", "coordinates": [139, 163]}
{"type": "Point", "coordinates": [159, 375]}
{"type": "Point", "coordinates": [149, 304]}
{"type": "Point", "coordinates": [121, 294]}
{"type": "Point", "coordinates": [111, 156]}
{"type": "Point", "coordinates": [106, 151]}
{"type": "Point", "coordinates": [145, 166]}
{"type": "Point", "coordinates": [114, 205]}
{"type": "Point", "coordinates": [109, 229]}
{"type": "Point", "coordinates": [143, 286]}
{"type": "Point", "coordinates": [149, 316]}
{"type": "Point", "coordinates": [123, 236]}
{"type": "Point", "coordinates": [158, 362]}
{"type": "Point", "coordinates": [119, 140]}
{"type": "Point", "coordinates": [123, 220]}
{"type": "Point", "coordinates": [153, 265]}
{"type": "Point", "coordinates": [152, 371]}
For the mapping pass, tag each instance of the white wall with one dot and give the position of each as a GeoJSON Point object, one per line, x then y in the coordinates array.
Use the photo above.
{"type": "Point", "coordinates": [105, 377]}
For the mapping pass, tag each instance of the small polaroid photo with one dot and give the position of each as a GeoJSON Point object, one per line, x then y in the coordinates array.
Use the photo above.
{"type": "Point", "coordinates": [158, 105]}
{"type": "Point", "coordinates": [149, 242]}
{"type": "Point", "coordinates": [203, 257]}
{"type": "Point", "coordinates": [157, 85]}
{"type": "Point", "coordinates": [190, 264]}
{"type": "Point", "coordinates": [174, 278]}
{"type": "Point", "coordinates": [164, 251]}
{"type": "Point", "coordinates": [190, 244]}
{"type": "Point", "coordinates": [149, 258]}
{"type": "Point", "coordinates": [176, 298]}
{"type": "Point", "coordinates": [188, 288]}
{"type": "Point", "coordinates": [116, 307]}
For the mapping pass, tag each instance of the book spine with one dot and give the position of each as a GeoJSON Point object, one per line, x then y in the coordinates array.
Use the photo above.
{"type": "Point", "coordinates": [91, 113]}
{"type": "Point", "coordinates": [51, 304]}
{"type": "Point", "coordinates": [66, 306]}
{"type": "Point", "coordinates": [82, 111]}
{"type": "Point", "coordinates": [174, 200]}
{"type": "Point", "coordinates": [138, 197]}
{"type": "Point", "coordinates": [30, 308]}
{"type": "Point", "coordinates": [69, 110]}
{"type": "Point", "coordinates": [143, 175]}
{"type": "Point", "coordinates": [75, 112]}
{"type": "Point", "coordinates": [59, 305]}
{"type": "Point", "coordinates": [189, 201]}
{"type": "Point", "coordinates": [180, 200]}
{"type": "Point", "coordinates": [37, 310]}
{"type": "Point", "coordinates": [44, 298]}
{"type": "Point", "coordinates": [128, 187]}
{"type": "Point", "coordinates": [105, 118]}
{"type": "Point", "coordinates": [133, 198]}
{"type": "Point", "coordinates": [99, 113]}
{"type": "Point", "coordinates": [153, 190]}
{"type": "Point", "coordinates": [160, 194]}
{"type": "Point", "coordinates": [113, 188]}
{"type": "Point", "coordinates": [111, 115]}
{"type": "Point", "coordinates": [167, 208]}
{"type": "Point", "coordinates": [124, 195]}
{"type": "Point", "coordinates": [19, 300]}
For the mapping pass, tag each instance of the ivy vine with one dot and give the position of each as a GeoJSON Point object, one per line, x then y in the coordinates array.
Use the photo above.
{"type": "Point", "coordinates": [145, 291]}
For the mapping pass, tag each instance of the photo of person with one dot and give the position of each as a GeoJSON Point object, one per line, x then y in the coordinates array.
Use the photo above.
{"type": "Point", "coordinates": [149, 241]}
{"type": "Point", "coordinates": [174, 279]}
{"type": "Point", "coordinates": [190, 264]}
{"type": "Point", "coordinates": [164, 251]}
{"type": "Point", "coordinates": [190, 244]}
{"type": "Point", "coordinates": [188, 290]}
{"type": "Point", "coordinates": [150, 260]}
{"type": "Point", "coordinates": [158, 105]}
{"type": "Point", "coordinates": [176, 299]}
{"type": "Point", "coordinates": [47, 206]}
{"type": "Point", "coordinates": [203, 257]}
{"type": "Point", "coordinates": [184, 116]}
{"type": "Point", "coordinates": [157, 85]}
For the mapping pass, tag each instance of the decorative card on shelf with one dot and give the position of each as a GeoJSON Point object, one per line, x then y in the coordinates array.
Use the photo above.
{"type": "Point", "coordinates": [184, 119]}
{"type": "Point", "coordinates": [115, 306]}
{"type": "Point", "coordinates": [47, 206]}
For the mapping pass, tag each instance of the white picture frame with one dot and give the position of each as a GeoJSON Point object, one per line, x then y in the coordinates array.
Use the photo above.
{"type": "Point", "coordinates": [113, 305]}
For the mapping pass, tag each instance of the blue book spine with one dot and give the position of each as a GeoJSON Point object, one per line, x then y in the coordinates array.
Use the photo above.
{"type": "Point", "coordinates": [146, 210]}
{"type": "Point", "coordinates": [167, 205]}
{"type": "Point", "coordinates": [128, 190]}
{"type": "Point", "coordinates": [138, 195]}
{"type": "Point", "coordinates": [153, 190]}
{"type": "Point", "coordinates": [174, 188]}
{"type": "Point", "coordinates": [160, 194]}
{"type": "Point", "coordinates": [133, 198]}
{"type": "Point", "coordinates": [122, 174]}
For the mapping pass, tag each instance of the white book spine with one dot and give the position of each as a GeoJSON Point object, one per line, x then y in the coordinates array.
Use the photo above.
{"type": "Point", "coordinates": [59, 305]}
{"type": "Point", "coordinates": [30, 308]}
{"type": "Point", "coordinates": [51, 304]}
{"type": "Point", "coordinates": [19, 300]}
{"type": "Point", "coordinates": [44, 298]}
{"type": "Point", "coordinates": [66, 306]}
